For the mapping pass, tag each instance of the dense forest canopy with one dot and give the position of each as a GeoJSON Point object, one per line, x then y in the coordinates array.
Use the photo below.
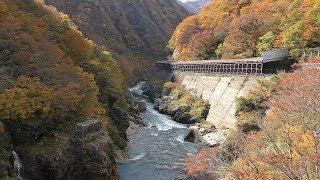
{"type": "Point", "coordinates": [49, 72]}
{"type": "Point", "coordinates": [136, 32]}
{"type": "Point", "coordinates": [245, 28]}
{"type": "Point", "coordinates": [278, 131]}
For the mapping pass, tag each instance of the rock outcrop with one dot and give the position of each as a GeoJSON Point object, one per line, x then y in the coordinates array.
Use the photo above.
{"type": "Point", "coordinates": [191, 137]}
{"type": "Point", "coordinates": [89, 154]}
{"type": "Point", "coordinates": [179, 113]}
{"type": "Point", "coordinates": [138, 105]}
{"type": "Point", "coordinates": [182, 106]}
{"type": "Point", "coordinates": [150, 90]}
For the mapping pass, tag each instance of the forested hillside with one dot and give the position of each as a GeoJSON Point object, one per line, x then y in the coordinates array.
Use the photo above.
{"type": "Point", "coordinates": [135, 31]}
{"type": "Point", "coordinates": [51, 78]}
{"type": "Point", "coordinates": [245, 28]}
{"type": "Point", "coordinates": [278, 131]}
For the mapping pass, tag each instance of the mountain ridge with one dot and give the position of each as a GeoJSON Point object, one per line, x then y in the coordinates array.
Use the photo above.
{"type": "Point", "coordinates": [136, 32]}
{"type": "Point", "coordinates": [194, 6]}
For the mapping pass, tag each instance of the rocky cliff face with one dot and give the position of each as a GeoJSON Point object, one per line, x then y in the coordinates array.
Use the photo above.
{"type": "Point", "coordinates": [181, 105]}
{"type": "Point", "coordinates": [88, 154]}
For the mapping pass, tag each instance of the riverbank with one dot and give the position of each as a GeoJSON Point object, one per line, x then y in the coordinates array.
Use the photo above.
{"type": "Point", "coordinates": [158, 148]}
{"type": "Point", "coordinates": [190, 109]}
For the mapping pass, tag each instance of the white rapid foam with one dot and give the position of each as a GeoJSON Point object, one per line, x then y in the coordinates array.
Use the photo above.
{"type": "Point", "coordinates": [137, 88]}
{"type": "Point", "coordinates": [161, 121]}
{"type": "Point", "coordinates": [180, 138]}
{"type": "Point", "coordinates": [137, 157]}
{"type": "Point", "coordinates": [154, 134]}
{"type": "Point", "coordinates": [156, 151]}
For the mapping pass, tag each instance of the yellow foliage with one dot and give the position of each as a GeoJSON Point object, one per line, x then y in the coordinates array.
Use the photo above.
{"type": "Point", "coordinates": [22, 102]}
{"type": "Point", "coordinates": [238, 25]}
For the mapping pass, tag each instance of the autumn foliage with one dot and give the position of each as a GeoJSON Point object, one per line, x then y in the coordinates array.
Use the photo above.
{"type": "Point", "coordinates": [286, 145]}
{"type": "Point", "coordinates": [244, 28]}
{"type": "Point", "coordinates": [49, 71]}
{"type": "Point", "coordinates": [135, 32]}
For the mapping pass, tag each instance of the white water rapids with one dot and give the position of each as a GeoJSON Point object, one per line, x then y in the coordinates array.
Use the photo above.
{"type": "Point", "coordinates": [156, 151]}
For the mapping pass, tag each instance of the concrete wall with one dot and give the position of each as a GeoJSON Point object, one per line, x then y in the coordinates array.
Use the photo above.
{"type": "Point", "coordinates": [90, 126]}
{"type": "Point", "coordinates": [220, 91]}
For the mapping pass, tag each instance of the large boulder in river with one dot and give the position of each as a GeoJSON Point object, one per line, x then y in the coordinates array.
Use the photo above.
{"type": "Point", "coordinates": [137, 105]}
{"type": "Point", "coordinates": [161, 104]}
{"type": "Point", "coordinates": [191, 137]}
{"type": "Point", "coordinates": [182, 105]}
{"type": "Point", "coordinates": [183, 117]}
{"type": "Point", "coordinates": [151, 90]}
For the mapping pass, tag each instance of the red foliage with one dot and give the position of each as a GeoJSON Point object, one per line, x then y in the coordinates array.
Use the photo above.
{"type": "Point", "coordinates": [202, 161]}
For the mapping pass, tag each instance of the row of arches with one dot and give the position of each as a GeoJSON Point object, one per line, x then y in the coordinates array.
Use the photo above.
{"type": "Point", "coordinates": [220, 68]}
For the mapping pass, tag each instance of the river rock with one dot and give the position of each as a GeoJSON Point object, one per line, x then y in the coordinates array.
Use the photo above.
{"type": "Point", "coordinates": [183, 117]}
{"type": "Point", "coordinates": [178, 109]}
{"type": "Point", "coordinates": [191, 137]}
{"type": "Point", "coordinates": [151, 91]}
{"type": "Point", "coordinates": [181, 112]}
{"type": "Point", "coordinates": [138, 105]}
{"type": "Point", "coordinates": [135, 119]}
{"type": "Point", "coordinates": [132, 129]}
{"type": "Point", "coordinates": [161, 104]}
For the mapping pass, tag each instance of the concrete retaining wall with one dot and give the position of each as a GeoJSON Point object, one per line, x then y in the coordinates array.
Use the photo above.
{"type": "Point", "coordinates": [90, 126]}
{"type": "Point", "coordinates": [221, 92]}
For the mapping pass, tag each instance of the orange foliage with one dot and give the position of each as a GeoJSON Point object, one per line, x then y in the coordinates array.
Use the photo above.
{"type": "Point", "coordinates": [295, 24]}
{"type": "Point", "coordinates": [286, 147]}
{"type": "Point", "coordinates": [52, 70]}
{"type": "Point", "coordinates": [201, 162]}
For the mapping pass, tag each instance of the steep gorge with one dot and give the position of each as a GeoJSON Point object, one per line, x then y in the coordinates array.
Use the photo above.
{"type": "Point", "coordinates": [136, 32]}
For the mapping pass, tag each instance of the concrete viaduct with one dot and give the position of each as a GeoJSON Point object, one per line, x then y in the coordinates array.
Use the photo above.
{"type": "Point", "coordinates": [221, 82]}
{"type": "Point", "coordinates": [268, 63]}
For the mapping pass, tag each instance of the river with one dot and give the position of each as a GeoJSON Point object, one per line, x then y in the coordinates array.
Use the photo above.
{"type": "Point", "coordinates": [156, 151]}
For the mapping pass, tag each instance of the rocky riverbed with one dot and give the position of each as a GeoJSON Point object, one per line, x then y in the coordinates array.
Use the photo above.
{"type": "Point", "coordinates": [158, 148]}
{"type": "Point", "coordinates": [188, 109]}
